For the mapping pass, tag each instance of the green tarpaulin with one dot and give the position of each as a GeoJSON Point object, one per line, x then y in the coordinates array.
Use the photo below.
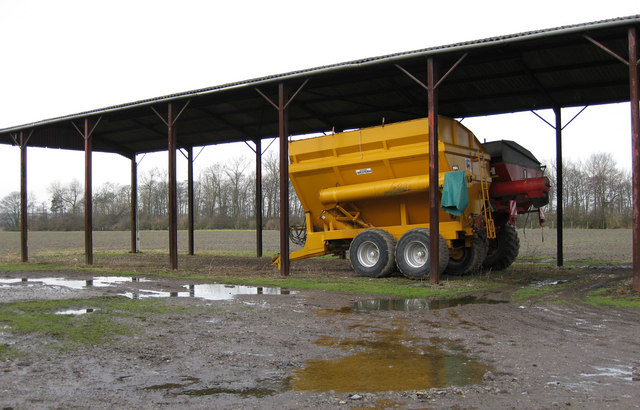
{"type": "Point", "coordinates": [455, 197]}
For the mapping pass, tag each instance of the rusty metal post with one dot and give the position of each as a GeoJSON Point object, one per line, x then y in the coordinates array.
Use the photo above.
{"type": "Point", "coordinates": [191, 214]}
{"type": "Point", "coordinates": [173, 195]}
{"type": "Point", "coordinates": [559, 189]}
{"type": "Point", "coordinates": [88, 192]}
{"type": "Point", "coordinates": [258, 143]}
{"type": "Point", "coordinates": [172, 147]}
{"type": "Point", "coordinates": [635, 152]}
{"type": "Point", "coordinates": [24, 250]}
{"type": "Point", "coordinates": [134, 205]}
{"type": "Point", "coordinates": [434, 206]}
{"type": "Point", "coordinates": [283, 132]}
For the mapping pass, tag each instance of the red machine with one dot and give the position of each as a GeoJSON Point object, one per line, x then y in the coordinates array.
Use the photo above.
{"type": "Point", "coordinates": [518, 186]}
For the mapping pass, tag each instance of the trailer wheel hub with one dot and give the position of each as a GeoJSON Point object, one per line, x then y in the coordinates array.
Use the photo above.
{"type": "Point", "coordinates": [416, 254]}
{"type": "Point", "coordinates": [368, 254]}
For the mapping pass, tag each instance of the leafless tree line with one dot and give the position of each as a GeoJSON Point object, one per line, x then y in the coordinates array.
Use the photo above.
{"type": "Point", "coordinates": [597, 194]}
{"type": "Point", "coordinates": [224, 198]}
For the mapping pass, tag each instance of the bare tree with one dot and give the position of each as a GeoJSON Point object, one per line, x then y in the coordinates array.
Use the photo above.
{"type": "Point", "coordinates": [237, 184]}
{"type": "Point", "coordinates": [10, 211]}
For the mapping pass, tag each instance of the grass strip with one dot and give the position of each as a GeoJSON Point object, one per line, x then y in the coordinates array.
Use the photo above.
{"type": "Point", "coordinates": [613, 297]}
{"type": "Point", "coordinates": [98, 327]}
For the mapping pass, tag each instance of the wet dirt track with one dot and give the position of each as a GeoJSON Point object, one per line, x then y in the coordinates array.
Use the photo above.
{"type": "Point", "coordinates": [266, 349]}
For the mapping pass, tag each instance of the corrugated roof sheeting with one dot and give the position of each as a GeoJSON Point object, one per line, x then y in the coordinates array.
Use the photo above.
{"type": "Point", "coordinates": [533, 70]}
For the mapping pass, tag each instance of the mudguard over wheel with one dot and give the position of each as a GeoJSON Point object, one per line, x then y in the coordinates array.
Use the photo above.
{"type": "Point", "coordinates": [503, 250]}
{"type": "Point", "coordinates": [372, 253]}
{"type": "Point", "coordinates": [413, 257]}
{"type": "Point", "coordinates": [468, 260]}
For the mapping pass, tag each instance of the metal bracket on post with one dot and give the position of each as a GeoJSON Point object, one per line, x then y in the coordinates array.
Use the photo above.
{"type": "Point", "coordinates": [283, 133]}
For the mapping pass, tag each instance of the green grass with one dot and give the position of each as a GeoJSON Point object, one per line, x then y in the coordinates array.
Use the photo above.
{"type": "Point", "coordinates": [399, 287]}
{"type": "Point", "coordinates": [9, 353]}
{"type": "Point", "coordinates": [394, 286]}
{"type": "Point", "coordinates": [612, 297]}
{"type": "Point", "coordinates": [98, 327]}
{"type": "Point", "coordinates": [40, 317]}
{"type": "Point", "coordinates": [595, 262]}
{"type": "Point", "coordinates": [534, 292]}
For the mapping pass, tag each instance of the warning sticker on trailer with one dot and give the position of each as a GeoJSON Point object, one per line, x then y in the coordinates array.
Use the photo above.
{"type": "Point", "coordinates": [364, 171]}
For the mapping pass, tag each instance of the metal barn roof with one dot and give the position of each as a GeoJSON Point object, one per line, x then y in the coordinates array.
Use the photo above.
{"type": "Point", "coordinates": [556, 67]}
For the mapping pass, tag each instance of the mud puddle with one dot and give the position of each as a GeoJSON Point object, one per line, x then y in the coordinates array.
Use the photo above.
{"type": "Point", "coordinates": [390, 360]}
{"type": "Point", "coordinates": [76, 312]}
{"type": "Point", "coordinates": [98, 281]}
{"type": "Point", "coordinates": [209, 292]}
{"type": "Point", "coordinates": [410, 305]}
{"type": "Point", "coordinates": [188, 387]}
{"type": "Point", "coordinates": [130, 287]}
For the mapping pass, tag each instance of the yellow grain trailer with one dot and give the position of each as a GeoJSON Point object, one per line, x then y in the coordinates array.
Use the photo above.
{"type": "Point", "coordinates": [367, 191]}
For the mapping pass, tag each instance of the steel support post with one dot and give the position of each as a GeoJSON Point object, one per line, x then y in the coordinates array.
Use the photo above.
{"type": "Point", "coordinates": [88, 193]}
{"type": "Point", "coordinates": [283, 133]}
{"type": "Point", "coordinates": [635, 150]}
{"type": "Point", "coordinates": [559, 189]}
{"type": "Point", "coordinates": [24, 250]}
{"type": "Point", "coordinates": [134, 205]}
{"type": "Point", "coordinates": [191, 213]}
{"type": "Point", "coordinates": [434, 199]}
{"type": "Point", "coordinates": [434, 206]}
{"type": "Point", "coordinates": [173, 195]}
{"type": "Point", "coordinates": [258, 143]}
{"type": "Point", "coordinates": [172, 147]}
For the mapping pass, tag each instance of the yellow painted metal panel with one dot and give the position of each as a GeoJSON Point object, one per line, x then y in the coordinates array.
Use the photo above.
{"type": "Point", "coordinates": [378, 177]}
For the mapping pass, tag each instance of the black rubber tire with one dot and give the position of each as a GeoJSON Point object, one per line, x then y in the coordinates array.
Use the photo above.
{"type": "Point", "coordinates": [419, 268]}
{"type": "Point", "coordinates": [472, 257]}
{"type": "Point", "coordinates": [503, 250]}
{"type": "Point", "coordinates": [372, 253]}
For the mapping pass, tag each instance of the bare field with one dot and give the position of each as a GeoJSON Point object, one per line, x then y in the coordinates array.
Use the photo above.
{"type": "Point", "coordinates": [535, 244]}
{"type": "Point", "coordinates": [223, 240]}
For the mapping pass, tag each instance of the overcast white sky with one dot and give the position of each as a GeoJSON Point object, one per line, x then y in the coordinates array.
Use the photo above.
{"type": "Point", "coordinates": [63, 57]}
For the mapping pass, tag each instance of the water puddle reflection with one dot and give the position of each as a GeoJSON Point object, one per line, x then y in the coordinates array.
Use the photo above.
{"type": "Point", "coordinates": [214, 291]}
{"type": "Point", "coordinates": [97, 282]}
{"type": "Point", "coordinates": [409, 305]}
{"type": "Point", "coordinates": [390, 361]}
{"type": "Point", "coordinates": [76, 312]}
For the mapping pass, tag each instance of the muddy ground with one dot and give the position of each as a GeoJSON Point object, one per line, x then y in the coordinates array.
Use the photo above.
{"type": "Point", "coordinates": [312, 349]}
